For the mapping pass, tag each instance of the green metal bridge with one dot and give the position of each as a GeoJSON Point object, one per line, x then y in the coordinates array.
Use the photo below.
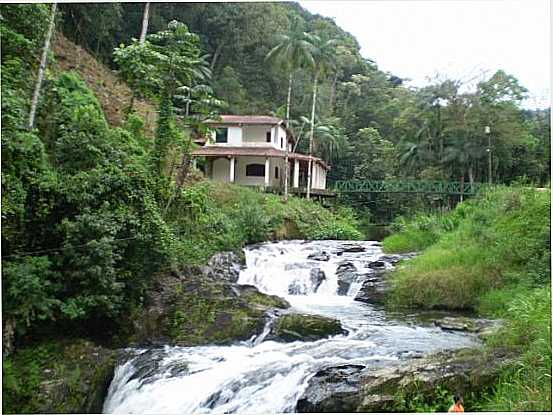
{"type": "Point", "coordinates": [408, 186]}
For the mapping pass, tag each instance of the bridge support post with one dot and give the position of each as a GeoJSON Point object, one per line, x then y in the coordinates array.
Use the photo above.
{"type": "Point", "coordinates": [296, 173]}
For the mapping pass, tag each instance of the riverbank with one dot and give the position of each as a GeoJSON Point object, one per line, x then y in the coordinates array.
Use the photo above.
{"type": "Point", "coordinates": [490, 255]}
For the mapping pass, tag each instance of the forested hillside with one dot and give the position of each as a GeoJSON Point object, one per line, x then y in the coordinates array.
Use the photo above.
{"type": "Point", "coordinates": [369, 124]}
{"type": "Point", "coordinates": [100, 199]}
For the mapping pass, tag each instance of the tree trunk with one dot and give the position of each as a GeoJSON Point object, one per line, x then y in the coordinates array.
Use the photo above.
{"type": "Point", "coordinates": [311, 136]}
{"type": "Point", "coordinates": [145, 23]}
{"type": "Point", "coordinates": [42, 68]}
{"type": "Point", "coordinates": [216, 55]}
{"type": "Point", "coordinates": [131, 103]}
{"type": "Point", "coordinates": [286, 167]}
{"type": "Point", "coordinates": [182, 174]}
{"type": "Point", "coordinates": [333, 93]}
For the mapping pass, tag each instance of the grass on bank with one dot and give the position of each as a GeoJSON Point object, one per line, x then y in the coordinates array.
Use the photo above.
{"type": "Point", "coordinates": [492, 255]}
{"type": "Point", "coordinates": [213, 217]}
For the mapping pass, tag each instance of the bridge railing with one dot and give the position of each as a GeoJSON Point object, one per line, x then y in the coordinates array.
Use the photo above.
{"type": "Point", "coordinates": [407, 186]}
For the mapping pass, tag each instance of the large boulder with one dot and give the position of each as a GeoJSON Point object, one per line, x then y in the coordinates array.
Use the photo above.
{"type": "Point", "coordinates": [225, 266]}
{"type": "Point", "coordinates": [304, 327]}
{"type": "Point", "coordinates": [377, 388]}
{"type": "Point", "coordinates": [335, 389]}
{"type": "Point", "coordinates": [70, 376]}
{"type": "Point", "coordinates": [374, 288]}
{"type": "Point", "coordinates": [200, 305]}
{"type": "Point", "coordinates": [316, 276]}
{"type": "Point", "coordinates": [346, 274]}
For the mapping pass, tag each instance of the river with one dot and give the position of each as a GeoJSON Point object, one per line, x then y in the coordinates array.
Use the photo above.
{"type": "Point", "coordinates": [259, 375]}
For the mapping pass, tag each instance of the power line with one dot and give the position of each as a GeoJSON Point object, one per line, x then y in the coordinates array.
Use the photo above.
{"type": "Point", "coordinates": [42, 251]}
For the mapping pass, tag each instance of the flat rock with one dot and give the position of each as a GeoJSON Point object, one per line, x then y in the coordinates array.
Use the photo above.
{"type": "Point", "coordinates": [376, 264]}
{"type": "Point", "coordinates": [319, 256]}
{"type": "Point", "coordinates": [374, 389]}
{"type": "Point", "coordinates": [304, 327]}
{"type": "Point", "coordinates": [353, 248]}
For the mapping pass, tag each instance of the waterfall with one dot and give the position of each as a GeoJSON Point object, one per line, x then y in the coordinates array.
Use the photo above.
{"type": "Point", "coordinates": [264, 376]}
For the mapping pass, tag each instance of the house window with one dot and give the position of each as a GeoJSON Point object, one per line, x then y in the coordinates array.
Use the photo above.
{"type": "Point", "coordinates": [276, 172]}
{"type": "Point", "coordinates": [281, 143]}
{"type": "Point", "coordinates": [268, 136]}
{"type": "Point", "coordinates": [221, 135]}
{"type": "Point", "coordinates": [257, 170]}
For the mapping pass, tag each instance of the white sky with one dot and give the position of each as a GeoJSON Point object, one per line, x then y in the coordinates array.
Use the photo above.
{"type": "Point", "coordinates": [459, 38]}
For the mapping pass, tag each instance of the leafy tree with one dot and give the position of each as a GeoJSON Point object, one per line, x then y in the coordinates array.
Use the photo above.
{"type": "Point", "coordinates": [291, 52]}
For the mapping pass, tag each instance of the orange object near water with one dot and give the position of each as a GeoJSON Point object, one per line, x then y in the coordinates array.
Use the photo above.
{"type": "Point", "coordinates": [458, 407]}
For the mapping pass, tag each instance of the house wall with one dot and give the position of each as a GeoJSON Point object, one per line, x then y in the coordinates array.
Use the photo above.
{"type": "Point", "coordinates": [234, 138]}
{"type": "Point", "coordinates": [221, 172]}
{"type": "Point", "coordinates": [221, 169]}
{"type": "Point", "coordinates": [318, 179]}
{"type": "Point", "coordinates": [253, 136]}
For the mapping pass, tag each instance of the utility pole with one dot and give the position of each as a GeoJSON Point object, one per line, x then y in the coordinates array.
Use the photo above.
{"type": "Point", "coordinates": [489, 151]}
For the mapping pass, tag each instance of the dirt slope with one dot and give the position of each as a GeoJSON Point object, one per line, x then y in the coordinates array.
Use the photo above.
{"type": "Point", "coordinates": [113, 94]}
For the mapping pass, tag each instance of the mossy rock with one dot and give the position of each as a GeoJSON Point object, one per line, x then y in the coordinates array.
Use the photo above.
{"type": "Point", "coordinates": [219, 313]}
{"type": "Point", "coordinates": [306, 327]}
{"type": "Point", "coordinates": [69, 376]}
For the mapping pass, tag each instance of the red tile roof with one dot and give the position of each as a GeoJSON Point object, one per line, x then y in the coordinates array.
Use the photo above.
{"type": "Point", "coordinates": [224, 151]}
{"type": "Point", "coordinates": [246, 119]}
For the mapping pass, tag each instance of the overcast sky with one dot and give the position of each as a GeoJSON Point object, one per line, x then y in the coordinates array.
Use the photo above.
{"type": "Point", "coordinates": [459, 38]}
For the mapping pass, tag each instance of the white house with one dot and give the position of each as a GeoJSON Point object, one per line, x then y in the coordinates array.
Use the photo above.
{"type": "Point", "coordinates": [250, 150]}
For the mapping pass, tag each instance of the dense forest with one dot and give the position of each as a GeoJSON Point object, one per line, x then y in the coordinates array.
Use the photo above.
{"type": "Point", "coordinates": [369, 124]}
{"type": "Point", "coordinates": [92, 208]}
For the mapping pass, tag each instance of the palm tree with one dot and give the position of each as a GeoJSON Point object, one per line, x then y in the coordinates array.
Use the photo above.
{"type": "Point", "coordinates": [291, 52]}
{"type": "Point", "coordinates": [322, 59]}
{"type": "Point", "coordinates": [331, 140]}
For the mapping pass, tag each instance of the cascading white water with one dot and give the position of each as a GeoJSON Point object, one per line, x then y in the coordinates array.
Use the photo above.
{"type": "Point", "coordinates": [266, 376]}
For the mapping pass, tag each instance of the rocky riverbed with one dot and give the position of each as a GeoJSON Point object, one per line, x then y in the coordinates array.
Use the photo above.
{"type": "Point", "coordinates": [298, 326]}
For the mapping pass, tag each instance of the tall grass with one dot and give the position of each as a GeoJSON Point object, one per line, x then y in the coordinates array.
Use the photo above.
{"type": "Point", "coordinates": [498, 240]}
{"type": "Point", "coordinates": [526, 385]}
{"type": "Point", "coordinates": [492, 255]}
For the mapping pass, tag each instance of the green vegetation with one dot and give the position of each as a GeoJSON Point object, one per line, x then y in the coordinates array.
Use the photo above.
{"type": "Point", "coordinates": [209, 217]}
{"type": "Point", "coordinates": [214, 315]}
{"type": "Point", "coordinates": [69, 376]}
{"type": "Point", "coordinates": [91, 212]}
{"type": "Point", "coordinates": [491, 254]}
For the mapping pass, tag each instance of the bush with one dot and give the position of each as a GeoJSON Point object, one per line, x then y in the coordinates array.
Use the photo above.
{"type": "Point", "coordinates": [496, 240]}
{"type": "Point", "coordinates": [495, 259]}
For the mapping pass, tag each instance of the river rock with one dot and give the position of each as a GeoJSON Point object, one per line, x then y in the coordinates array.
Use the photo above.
{"type": "Point", "coordinates": [344, 384]}
{"type": "Point", "coordinates": [373, 289]}
{"type": "Point", "coordinates": [345, 266]}
{"type": "Point", "coordinates": [316, 276]}
{"type": "Point", "coordinates": [352, 248]}
{"type": "Point", "coordinates": [305, 327]}
{"type": "Point", "coordinates": [467, 324]}
{"type": "Point", "coordinates": [346, 274]}
{"type": "Point", "coordinates": [391, 259]}
{"type": "Point", "coordinates": [375, 389]}
{"type": "Point", "coordinates": [71, 376]}
{"type": "Point", "coordinates": [187, 307]}
{"type": "Point", "coordinates": [225, 266]}
{"type": "Point", "coordinates": [319, 256]}
{"type": "Point", "coordinates": [376, 264]}
{"type": "Point", "coordinates": [295, 288]}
